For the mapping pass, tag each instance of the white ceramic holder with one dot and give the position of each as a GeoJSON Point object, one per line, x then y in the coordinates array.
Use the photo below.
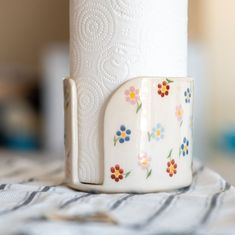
{"type": "Point", "coordinates": [147, 136]}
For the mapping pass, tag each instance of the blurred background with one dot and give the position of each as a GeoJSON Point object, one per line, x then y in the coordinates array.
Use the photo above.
{"type": "Point", "coordinates": [34, 60]}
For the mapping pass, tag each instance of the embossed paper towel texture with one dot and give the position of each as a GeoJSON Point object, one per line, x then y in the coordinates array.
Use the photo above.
{"type": "Point", "coordinates": [112, 41]}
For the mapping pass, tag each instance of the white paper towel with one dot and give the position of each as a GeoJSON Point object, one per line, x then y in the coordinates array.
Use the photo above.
{"type": "Point", "coordinates": [112, 41]}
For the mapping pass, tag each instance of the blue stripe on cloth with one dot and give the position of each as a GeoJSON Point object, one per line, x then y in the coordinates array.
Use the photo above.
{"type": "Point", "coordinates": [73, 200]}
{"type": "Point", "coordinates": [213, 204]}
{"type": "Point", "coordinates": [120, 201]}
{"type": "Point", "coordinates": [27, 201]}
{"type": "Point", "coordinates": [3, 186]}
{"type": "Point", "coordinates": [168, 202]}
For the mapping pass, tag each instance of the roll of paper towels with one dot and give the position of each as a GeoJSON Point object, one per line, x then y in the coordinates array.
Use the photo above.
{"type": "Point", "coordinates": [112, 41]}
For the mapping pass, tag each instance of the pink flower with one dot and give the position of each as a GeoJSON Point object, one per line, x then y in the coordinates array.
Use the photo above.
{"type": "Point", "coordinates": [144, 161]}
{"type": "Point", "coordinates": [179, 112]}
{"type": "Point", "coordinates": [132, 95]}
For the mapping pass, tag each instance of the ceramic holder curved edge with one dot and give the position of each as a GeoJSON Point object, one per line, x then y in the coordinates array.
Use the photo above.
{"type": "Point", "coordinates": [147, 136]}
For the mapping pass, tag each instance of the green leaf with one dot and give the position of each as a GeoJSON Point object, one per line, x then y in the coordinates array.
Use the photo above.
{"type": "Point", "coordinates": [127, 174]}
{"type": "Point", "coordinates": [149, 136]}
{"type": "Point", "coordinates": [169, 155]}
{"type": "Point", "coordinates": [139, 106]}
{"type": "Point", "coordinates": [115, 140]}
{"type": "Point", "coordinates": [149, 173]}
{"type": "Point", "coordinates": [169, 81]}
{"type": "Point", "coordinates": [181, 123]}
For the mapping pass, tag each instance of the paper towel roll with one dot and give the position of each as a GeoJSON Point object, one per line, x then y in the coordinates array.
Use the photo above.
{"type": "Point", "coordinates": [112, 41]}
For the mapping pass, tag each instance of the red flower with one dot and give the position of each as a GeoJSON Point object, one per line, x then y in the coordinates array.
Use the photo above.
{"type": "Point", "coordinates": [117, 173]}
{"type": "Point", "coordinates": [163, 88]}
{"type": "Point", "coordinates": [171, 168]}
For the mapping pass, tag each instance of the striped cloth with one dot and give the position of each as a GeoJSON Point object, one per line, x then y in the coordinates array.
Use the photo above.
{"type": "Point", "coordinates": [34, 200]}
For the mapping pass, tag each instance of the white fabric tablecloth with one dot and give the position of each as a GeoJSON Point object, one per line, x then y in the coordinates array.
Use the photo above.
{"type": "Point", "coordinates": [34, 200]}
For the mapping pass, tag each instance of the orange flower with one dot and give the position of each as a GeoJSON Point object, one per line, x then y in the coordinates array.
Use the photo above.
{"type": "Point", "coordinates": [171, 168]}
{"type": "Point", "coordinates": [163, 88]}
{"type": "Point", "coordinates": [117, 173]}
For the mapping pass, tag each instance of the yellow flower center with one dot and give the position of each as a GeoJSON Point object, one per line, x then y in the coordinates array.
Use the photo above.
{"type": "Point", "coordinates": [163, 89]}
{"type": "Point", "coordinates": [123, 134]}
{"type": "Point", "coordinates": [158, 133]}
{"type": "Point", "coordinates": [144, 162]}
{"type": "Point", "coordinates": [132, 95]}
{"type": "Point", "coordinates": [179, 113]}
{"type": "Point", "coordinates": [117, 173]}
{"type": "Point", "coordinates": [185, 148]}
{"type": "Point", "coordinates": [172, 169]}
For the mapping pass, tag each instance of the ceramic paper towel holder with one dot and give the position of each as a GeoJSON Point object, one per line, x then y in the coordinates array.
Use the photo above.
{"type": "Point", "coordinates": [147, 136]}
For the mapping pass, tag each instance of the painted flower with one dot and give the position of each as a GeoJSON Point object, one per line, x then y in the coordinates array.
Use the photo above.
{"type": "Point", "coordinates": [122, 135]}
{"type": "Point", "coordinates": [171, 167]}
{"type": "Point", "coordinates": [187, 95]}
{"type": "Point", "coordinates": [179, 112]}
{"type": "Point", "coordinates": [157, 133]}
{"type": "Point", "coordinates": [164, 87]}
{"type": "Point", "coordinates": [133, 97]}
{"type": "Point", "coordinates": [184, 147]}
{"type": "Point", "coordinates": [117, 173]}
{"type": "Point", "coordinates": [144, 162]}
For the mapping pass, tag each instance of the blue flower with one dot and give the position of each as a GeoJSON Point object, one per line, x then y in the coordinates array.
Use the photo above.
{"type": "Point", "coordinates": [184, 147]}
{"type": "Point", "coordinates": [187, 95]}
{"type": "Point", "coordinates": [157, 133]}
{"type": "Point", "coordinates": [122, 135]}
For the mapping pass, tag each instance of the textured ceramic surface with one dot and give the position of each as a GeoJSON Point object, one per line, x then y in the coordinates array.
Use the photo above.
{"type": "Point", "coordinates": [112, 41]}
{"type": "Point", "coordinates": [147, 137]}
